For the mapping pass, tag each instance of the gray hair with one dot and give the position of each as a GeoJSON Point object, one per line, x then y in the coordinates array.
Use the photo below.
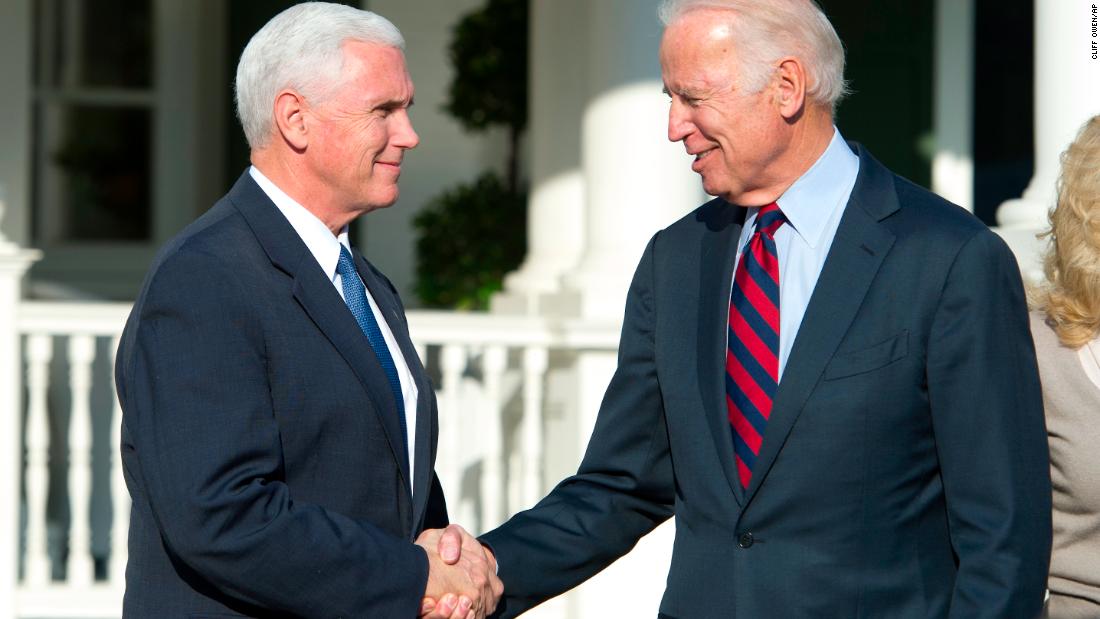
{"type": "Point", "coordinates": [767, 30]}
{"type": "Point", "coordinates": [301, 48]}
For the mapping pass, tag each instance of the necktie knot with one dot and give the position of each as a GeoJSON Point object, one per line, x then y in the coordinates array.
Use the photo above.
{"type": "Point", "coordinates": [769, 219]}
{"type": "Point", "coordinates": [345, 266]}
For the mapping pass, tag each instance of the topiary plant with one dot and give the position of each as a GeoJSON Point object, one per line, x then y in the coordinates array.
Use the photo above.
{"type": "Point", "coordinates": [470, 236]}
{"type": "Point", "coordinates": [468, 239]}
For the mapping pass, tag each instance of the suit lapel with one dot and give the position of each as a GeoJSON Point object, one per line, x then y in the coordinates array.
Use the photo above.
{"type": "Point", "coordinates": [717, 253]}
{"type": "Point", "coordinates": [859, 247]}
{"type": "Point", "coordinates": [320, 300]}
{"type": "Point", "coordinates": [394, 317]}
{"type": "Point", "coordinates": [323, 304]}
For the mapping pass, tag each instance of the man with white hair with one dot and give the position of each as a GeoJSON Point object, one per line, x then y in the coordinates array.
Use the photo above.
{"type": "Point", "coordinates": [279, 433]}
{"type": "Point", "coordinates": [825, 373]}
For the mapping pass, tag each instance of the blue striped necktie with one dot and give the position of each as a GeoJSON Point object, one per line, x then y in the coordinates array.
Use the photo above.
{"type": "Point", "coordinates": [355, 295]}
{"type": "Point", "coordinates": [752, 353]}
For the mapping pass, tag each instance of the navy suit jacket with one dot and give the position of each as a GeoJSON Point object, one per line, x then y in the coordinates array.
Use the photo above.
{"type": "Point", "coordinates": [260, 438]}
{"type": "Point", "coordinates": [903, 473]}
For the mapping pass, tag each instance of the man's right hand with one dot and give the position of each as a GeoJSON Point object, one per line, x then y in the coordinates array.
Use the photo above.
{"type": "Point", "coordinates": [462, 581]}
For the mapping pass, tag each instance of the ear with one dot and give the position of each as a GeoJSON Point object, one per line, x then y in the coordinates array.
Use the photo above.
{"type": "Point", "coordinates": [791, 87]}
{"type": "Point", "coordinates": [290, 118]}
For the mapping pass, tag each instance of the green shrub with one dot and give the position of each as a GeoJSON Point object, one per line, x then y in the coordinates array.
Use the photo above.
{"type": "Point", "coordinates": [468, 238]}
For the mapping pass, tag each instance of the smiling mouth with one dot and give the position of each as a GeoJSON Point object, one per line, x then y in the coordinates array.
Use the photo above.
{"type": "Point", "coordinates": [704, 154]}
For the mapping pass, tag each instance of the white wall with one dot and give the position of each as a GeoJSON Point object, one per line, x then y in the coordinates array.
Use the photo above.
{"type": "Point", "coordinates": [446, 156]}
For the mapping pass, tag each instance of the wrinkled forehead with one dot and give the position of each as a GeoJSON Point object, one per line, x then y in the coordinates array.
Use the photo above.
{"type": "Point", "coordinates": [373, 56]}
{"type": "Point", "coordinates": [373, 74]}
{"type": "Point", "coordinates": [698, 46]}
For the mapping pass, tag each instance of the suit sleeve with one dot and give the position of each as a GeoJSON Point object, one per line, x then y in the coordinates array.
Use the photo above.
{"type": "Point", "coordinates": [987, 416]}
{"type": "Point", "coordinates": [208, 450]}
{"type": "Point", "coordinates": [622, 490]}
{"type": "Point", "coordinates": [435, 517]}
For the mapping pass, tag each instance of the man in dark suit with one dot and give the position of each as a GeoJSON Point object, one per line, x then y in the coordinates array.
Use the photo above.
{"type": "Point", "coordinates": [825, 374]}
{"type": "Point", "coordinates": [279, 432]}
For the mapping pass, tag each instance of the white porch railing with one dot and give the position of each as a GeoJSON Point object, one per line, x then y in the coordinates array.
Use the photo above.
{"type": "Point", "coordinates": [490, 371]}
{"type": "Point", "coordinates": [75, 592]}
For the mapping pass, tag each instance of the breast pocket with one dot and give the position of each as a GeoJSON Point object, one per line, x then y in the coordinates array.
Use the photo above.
{"type": "Point", "coordinates": [868, 359]}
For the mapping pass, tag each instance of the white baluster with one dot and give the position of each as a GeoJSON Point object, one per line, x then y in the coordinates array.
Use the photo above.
{"type": "Point", "coordinates": [452, 363]}
{"type": "Point", "coordinates": [489, 426]}
{"type": "Point", "coordinates": [535, 359]}
{"type": "Point", "coordinates": [39, 354]}
{"type": "Point", "coordinates": [81, 569]}
{"type": "Point", "coordinates": [120, 497]}
{"type": "Point", "coordinates": [14, 262]}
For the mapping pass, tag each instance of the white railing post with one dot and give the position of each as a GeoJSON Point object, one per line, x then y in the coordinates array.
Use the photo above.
{"type": "Point", "coordinates": [39, 354]}
{"type": "Point", "coordinates": [493, 363]}
{"type": "Point", "coordinates": [535, 360]}
{"type": "Point", "coordinates": [120, 496]}
{"type": "Point", "coordinates": [14, 262]}
{"type": "Point", "coordinates": [452, 362]}
{"type": "Point", "coordinates": [81, 567]}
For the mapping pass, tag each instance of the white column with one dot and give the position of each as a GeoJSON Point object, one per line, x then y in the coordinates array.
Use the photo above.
{"type": "Point", "coordinates": [555, 210]}
{"type": "Point", "coordinates": [636, 181]}
{"type": "Point", "coordinates": [14, 262]}
{"type": "Point", "coordinates": [16, 36]}
{"type": "Point", "coordinates": [1067, 93]}
{"type": "Point", "coordinates": [953, 111]}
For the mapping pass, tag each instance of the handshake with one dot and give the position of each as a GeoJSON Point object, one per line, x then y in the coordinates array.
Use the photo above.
{"type": "Point", "coordinates": [462, 580]}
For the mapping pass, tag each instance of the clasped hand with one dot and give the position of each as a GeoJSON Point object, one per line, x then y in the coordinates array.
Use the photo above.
{"type": "Point", "coordinates": [462, 581]}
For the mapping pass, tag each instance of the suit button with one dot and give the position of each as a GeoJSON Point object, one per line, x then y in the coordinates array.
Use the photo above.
{"type": "Point", "coordinates": [745, 540]}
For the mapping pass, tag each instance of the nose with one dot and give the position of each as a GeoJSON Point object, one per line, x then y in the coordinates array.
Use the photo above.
{"type": "Point", "coordinates": [404, 136]}
{"type": "Point", "coordinates": [679, 125]}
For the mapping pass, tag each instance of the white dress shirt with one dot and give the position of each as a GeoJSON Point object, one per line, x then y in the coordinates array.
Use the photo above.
{"type": "Point", "coordinates": [325, 247]}
{"type": "Point", "coordinates": [813, 206]}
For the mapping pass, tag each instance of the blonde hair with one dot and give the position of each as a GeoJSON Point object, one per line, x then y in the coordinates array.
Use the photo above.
{"type": "Point", "coordinates": [1071, 296]}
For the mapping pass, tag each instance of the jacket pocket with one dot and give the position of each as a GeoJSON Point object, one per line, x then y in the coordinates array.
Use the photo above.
{"type": "Point", "coordinates": [868, 359]}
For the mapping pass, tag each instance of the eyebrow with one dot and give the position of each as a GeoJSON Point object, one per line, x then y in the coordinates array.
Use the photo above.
{"type": "Point", "coordinates": [685, 93]}
{"type": "Point", "coordinates": [394, 103]}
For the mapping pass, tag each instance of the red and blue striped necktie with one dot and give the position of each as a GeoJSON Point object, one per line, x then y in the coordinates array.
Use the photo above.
{"type": "Point", "coordinates": [752, 349]}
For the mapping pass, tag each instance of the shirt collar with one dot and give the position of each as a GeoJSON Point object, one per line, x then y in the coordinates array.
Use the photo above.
{"type": "Point", "coordinates": [314, 233]}
{"type": "Point", "coordinates": [811, 201]}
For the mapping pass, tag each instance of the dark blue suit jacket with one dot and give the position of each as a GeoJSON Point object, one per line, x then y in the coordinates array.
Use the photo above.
{"type": "Point", "coordinates": [903, 473]}
{"type": "Point", "coordinates": [260, 439]}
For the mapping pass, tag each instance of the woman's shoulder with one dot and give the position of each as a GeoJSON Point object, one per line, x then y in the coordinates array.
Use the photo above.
{"type": "Point", "coordinates": [1041, 330]}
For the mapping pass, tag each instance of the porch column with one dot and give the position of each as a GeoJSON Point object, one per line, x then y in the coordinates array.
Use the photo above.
{"type": "Point", "coordinates": [16, 47]}
{"type": "Point", "coordinates": [635, 181]}
{"type": "Point", "coordinates": [953, 110]}
{"type": "Point", "coordinates": [1067, 93]}
{"type": "Point", "coordinates": [14, 262]}
{"type": "Point", "coordinates": [555, 209]}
